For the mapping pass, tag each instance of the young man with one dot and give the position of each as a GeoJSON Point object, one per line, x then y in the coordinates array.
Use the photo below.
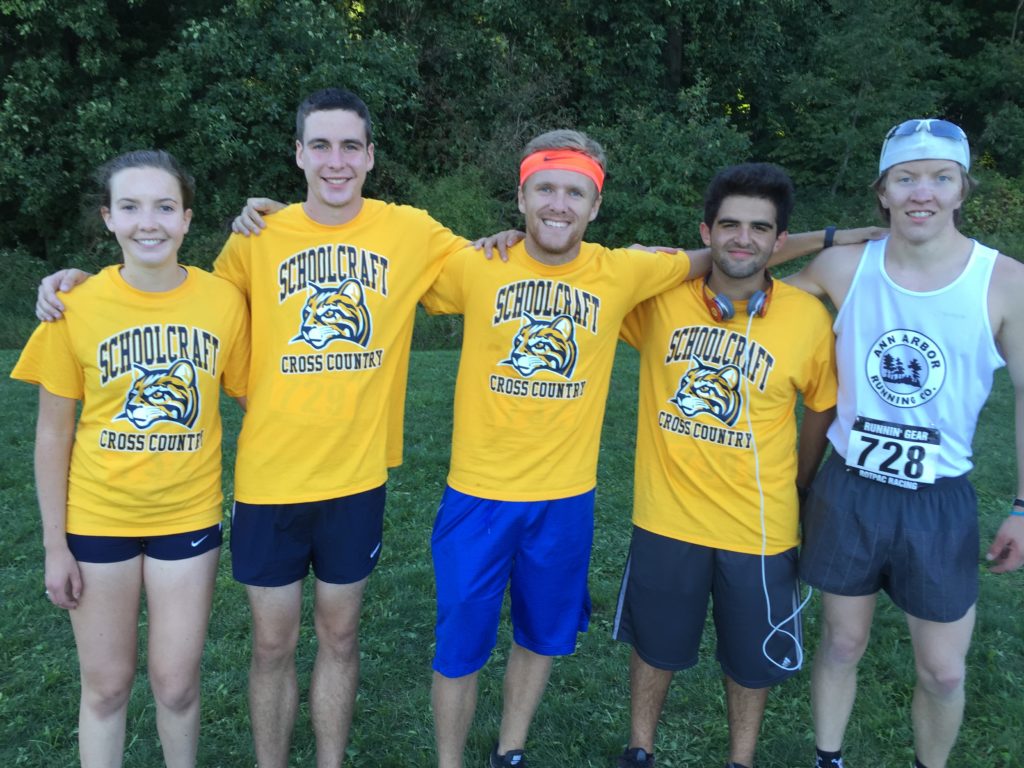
{"type": "Point", "coordinates": [332, 287]}
{"type": "Point", "coordinates": [716, 506]}
{"type": "Point", "coordinates": [925, 317]}
{"type": "Point", "coordinates": [539, 340]}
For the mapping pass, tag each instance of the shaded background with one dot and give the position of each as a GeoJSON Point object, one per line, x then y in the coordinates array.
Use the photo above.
{"type": "Point", "coordinates": [673, 88]}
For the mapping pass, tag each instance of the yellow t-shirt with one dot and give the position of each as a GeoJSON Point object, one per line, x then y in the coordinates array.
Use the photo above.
{"type": "Point", "coordinates": [537, 353]}
{"type": "Point", "coordinates": [695, 453]}
{"type": "Point", "coordinates": [332, 315]}
{"type": "Point", "coordinates": [148, 368]}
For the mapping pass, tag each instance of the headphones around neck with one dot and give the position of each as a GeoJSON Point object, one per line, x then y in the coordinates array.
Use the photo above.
{"type": "Point", "coordinates": [722, 309]}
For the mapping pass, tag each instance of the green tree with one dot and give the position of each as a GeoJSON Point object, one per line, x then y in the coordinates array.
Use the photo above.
{"type": "Point", "coordinates": [217, 87]}
{"type": "Point", "coordinates": [871, 65]}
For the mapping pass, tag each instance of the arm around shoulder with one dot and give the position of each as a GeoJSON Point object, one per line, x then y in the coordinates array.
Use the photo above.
{"type": "Point", "coordinates": [798, 244]}
{"type": "Point", "coordinates": [48, 306]}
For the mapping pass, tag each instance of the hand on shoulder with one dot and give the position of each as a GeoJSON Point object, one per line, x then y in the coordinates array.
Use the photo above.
{"type": "Point", "coordinates": [499, 243]}
{"type": "Point", "coordinates": [48, 306]}
{"type": "Point", "coordinates": [250, 220]}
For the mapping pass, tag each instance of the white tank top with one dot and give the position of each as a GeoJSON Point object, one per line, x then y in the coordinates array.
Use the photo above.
{"type": "Point", "coordinates": [915, 369]}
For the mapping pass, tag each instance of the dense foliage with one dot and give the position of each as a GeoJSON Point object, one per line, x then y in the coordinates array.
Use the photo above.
{"type": "Point", "coordinates": [675, 89]}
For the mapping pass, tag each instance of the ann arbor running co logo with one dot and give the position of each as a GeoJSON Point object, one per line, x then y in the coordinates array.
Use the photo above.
{"type": "Point", "coordinates": [905, 368]}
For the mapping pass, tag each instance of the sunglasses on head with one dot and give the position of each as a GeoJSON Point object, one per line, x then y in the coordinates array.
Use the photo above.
{"type": "Point", "coordinates": [941, 128]}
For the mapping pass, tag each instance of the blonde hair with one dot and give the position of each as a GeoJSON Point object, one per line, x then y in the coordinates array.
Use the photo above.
{"type": "Point", "coordinates": [564, 138]}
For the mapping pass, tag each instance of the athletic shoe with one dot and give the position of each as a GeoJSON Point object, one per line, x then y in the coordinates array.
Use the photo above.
{"type": "Point", "coordinates": [636, 757]}
{"type": "Point", "coordinates": [835, 762]}
{"type": "Point", "coordinates": [514, 757]}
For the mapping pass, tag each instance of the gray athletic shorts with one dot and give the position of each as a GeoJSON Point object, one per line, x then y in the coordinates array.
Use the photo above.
{"type": "Point", "coordinates": [920, 546]}
{"type": "Point", "coordinates": [663, 605]}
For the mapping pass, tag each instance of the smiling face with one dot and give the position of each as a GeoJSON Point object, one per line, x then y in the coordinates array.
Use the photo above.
{"type": "Point", "coordinates": [335, 157]}
{"type": "Point", "coordinates": [922, 197]}
{"type": "Point", "coordinates": [558, 206]}
{"type": "Point", "coordinates": [147, 216]}
{"type": "Point", "coordinates": [742, 239]}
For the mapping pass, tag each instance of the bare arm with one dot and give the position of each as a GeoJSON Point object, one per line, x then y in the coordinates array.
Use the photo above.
{"type": "Point", "coordinates": [250, 220]}
{"type": "Point", "coordinates": [55, 432]}
{"type": "Point", "coordinates": [1006, 553]}
{"type": "Point", "coordinates": [48, 306]}
{"type": "Point", "coordinates": [793, 247]}
{"type": "Point", "coordinates": [813, 442]}
{"type": "Point", "coordinates": [805, 243]}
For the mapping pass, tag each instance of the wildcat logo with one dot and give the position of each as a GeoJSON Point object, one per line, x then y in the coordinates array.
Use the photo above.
{"type": "Point", "coordinates": [162, 394]}
{"type": "Point", "coordinates": [540, 345]}
{"type": "Point", "coordinates": [335, 313]}
{"type": "Point", "coordinates": [704, 389]}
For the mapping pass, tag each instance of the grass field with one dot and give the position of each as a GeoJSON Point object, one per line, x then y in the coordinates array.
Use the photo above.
{"type": "Point", "coordinates": [584, 719]}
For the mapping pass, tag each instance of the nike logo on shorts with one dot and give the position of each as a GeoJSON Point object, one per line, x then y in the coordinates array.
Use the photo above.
{"type": "Point", "coordinates": [197, 542]}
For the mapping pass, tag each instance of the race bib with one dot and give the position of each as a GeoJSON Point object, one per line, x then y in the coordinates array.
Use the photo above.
{"type": "Point", "coordinates": [892, 453]}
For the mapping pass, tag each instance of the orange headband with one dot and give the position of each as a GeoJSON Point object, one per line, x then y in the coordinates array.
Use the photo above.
{"type": "Point", "coordinates": [562, 160]}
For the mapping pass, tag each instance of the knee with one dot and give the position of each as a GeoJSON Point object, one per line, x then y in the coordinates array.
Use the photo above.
{"type": "Point", "coordinates": [106, 695]}
{"type": "Point", "coordinates": [274, 649]}
{"type": "Point", "coordinates": [340, 639]}
{"type": "Point", "coordinates": [844, 645]}
{"type": "Point", "coordinates": [942, 678]}
{"type": "Point", "coordinates": [175, 692]}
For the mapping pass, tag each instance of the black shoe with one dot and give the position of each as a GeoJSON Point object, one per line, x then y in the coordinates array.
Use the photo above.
{"type": "Point", "coordinates": [514, 757]}
{"type": "Point", "coordinates": [636, 757]}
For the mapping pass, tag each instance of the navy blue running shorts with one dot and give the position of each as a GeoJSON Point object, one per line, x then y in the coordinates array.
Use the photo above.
{"type": "Point", "coordinates": [920, 546]}
{"type": "Point", "coordinates": [275, 544]}
{"type": "Point", "coordinates": [117, 549]}
{"type": "Point", "coordinates": [663, 606]}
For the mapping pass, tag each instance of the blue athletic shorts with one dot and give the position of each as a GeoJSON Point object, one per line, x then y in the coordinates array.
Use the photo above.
{"type": "Point", "coordinates": [541, 549]}
{"type": "Point", "coordinates": [920, 546]}
{"type": "Point", "coordinates": [663, 606]}
{"type": "Point", "coordinates": [117, 549]}
{"type": "Point", "coordinates": [274, 544]}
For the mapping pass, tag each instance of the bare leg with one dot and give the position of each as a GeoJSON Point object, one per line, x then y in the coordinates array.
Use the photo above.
{"type": "Point", "coordinates": [648, 688]}
{"type": "Point", "coordinates": [526, 677]}
{"type": "Point", "coordinates": [454, 703]}
{"type": "Point", "coordinates": [332, 690]}
{"type": "Point", "coordinates": [940, 652]}
{"type": "Point", "coordinates": [273, 688]}
{"type": "Point", "coordinates": [746, 710]}
{"type": "Point", "coordinates": [178, 596]}
{"type": "Point", "coordinates": [106, 630]}
{"type": "Point", "coordinates": [846, 628]}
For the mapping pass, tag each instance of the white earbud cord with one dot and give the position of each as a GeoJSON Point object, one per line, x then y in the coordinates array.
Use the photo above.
{"type": "Point", "coordinates": [776, 628]}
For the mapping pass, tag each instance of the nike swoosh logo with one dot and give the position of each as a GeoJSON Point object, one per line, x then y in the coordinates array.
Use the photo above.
{"type": "Point", "coordinates": [197, 542]}
{"type": "Point", "coordinates": [375, 550]}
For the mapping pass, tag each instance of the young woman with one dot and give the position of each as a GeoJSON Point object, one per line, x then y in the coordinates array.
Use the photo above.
{"type": "Point", "coordinates": [131, 497]}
